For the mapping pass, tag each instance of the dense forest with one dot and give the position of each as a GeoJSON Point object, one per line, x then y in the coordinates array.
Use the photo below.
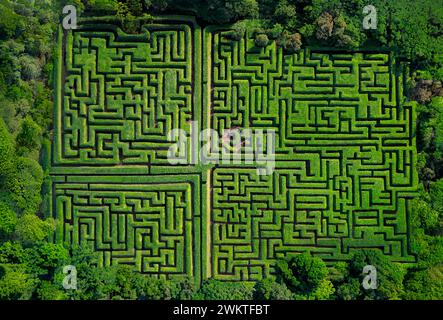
{"type": "Point", "coordinates": [31, 266]}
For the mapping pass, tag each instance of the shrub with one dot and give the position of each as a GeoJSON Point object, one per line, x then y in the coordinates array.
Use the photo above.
{"type": "Point", "coordinates": [293, 42]}
{"type": "Point", "coordinates": [261, 40]}
{"type": "Point", "coordinates": [220, 290]}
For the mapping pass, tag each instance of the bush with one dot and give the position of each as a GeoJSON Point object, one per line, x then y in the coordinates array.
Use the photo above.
{"type": "Point", "coordinates": [424, 284]}
{"type": "Point", "coordinates": [25, 185]}
{"type": "Point", "coordinates": [6, 151]}
{"type": "Point", "coordinates": [30, 136]}
{"type": "Point", "coordinates": [269, 289]}
{"type": "Point", "coordinates": [30, 229]}
{"type": "Point", "coordinates": [239, 31]}
{"type": "Point", "coordinates": [8, 220]}
{"type": "Point", "coordinates": [389, 276]}
{"type": "Point", "coordinates": [220, 290]}
{"type": "Point", "coordinates": [293, 42]}
{"type": "Point", "coordinates": [30, 68]}
{"type": "Point", "coordinates": [302, 274]}
{"type": "Point", "coordinates": [261, 40]}
{"type": "Point", "coordinates": [15, 283]}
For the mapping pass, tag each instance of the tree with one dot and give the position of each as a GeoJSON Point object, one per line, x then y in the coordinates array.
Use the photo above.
{"type": "Point", "coordinates": [8, 220]}
{"type": "Point", "coordinates": [9, 20]}
{"type": "Point", "coordinates": [135, 7]}
{"type": "Point", "coordinates": [238, 31]}
{"type": "Point", "coordinates": [221, 290]}
{"type": "Point", "coordinates": [293, 42]}
{"type": "Point", "coordinates": [323, 291]}
{"type": "Point", "coordinates": [6, 151]}
{"type": "Point", "coordinates": [242, 8]}
{"type": "Point", "coordinates": [25, 185]}
{"type": "Point", "coordinates": [436, 193]}
{"type": "Point", "coordinates": [389, 277]}
{"type": "Point", "coordinates": [119, 282]}
{"type": "Point", "coordinates": [424, 215]}
{"type": "Point", "coordinates": [325, 25]}
{"type": "Point", "coordinates": [30, 135]}
{"type": "Point", "coordinates": [424, 284]}
{"type": "Point", "coordinates": [305, 276]}
{"type": "Point", "coordinates": [349, 290]}
{"type": "Point", "coordinates": [156, 289]}
{"type": "Point", "coordinates": [159, 5]}
{"type": "Point", "coordinates": [12, 253]}
{"type": "Point", "coordinates": [15, 283]}
{"type": "Point", "coordinates": [30, 229]}
{"type": "Point", "coordinates": [225, 11]}
{"type": "Point", "coordinates": [106, 6]}
{"type": "Point", "coordinates": [285, 14]}
{"type": "Point", "coordinates": [261, 40]}
{"type": "Point", "coordinates": [276, 31]}
{"type": "Point", "coordinates": [437, 104]}
{"type": "Point", "coordinates": [182, 288]}
{"type": "Point", "coordinates": [338, 30]}
{"type": "Point", "coordinates": [48, 290]}
{"type": "Point", "coordinates": [45, 258]}
{"type": "Point", "coordinates": [30, 68]}
{"type": "Point", "coordinates": [269, 289]}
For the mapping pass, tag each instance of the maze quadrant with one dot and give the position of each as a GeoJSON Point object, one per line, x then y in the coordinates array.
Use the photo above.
{"type": "Point", "coordinates": [122, 94]}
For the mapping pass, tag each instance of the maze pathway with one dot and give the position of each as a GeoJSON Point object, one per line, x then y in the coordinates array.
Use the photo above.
{"type": "Point", "coordinates": [345, 151]}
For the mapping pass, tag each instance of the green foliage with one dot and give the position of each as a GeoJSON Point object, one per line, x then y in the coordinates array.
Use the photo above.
{"type": "Point", "coordinates": [48, 290]}
{"type": "Point", "coordinates": [10, 22]}
{"type": "Point", "coordinates": [335, 29]}
{"type": "Point", "coordinates": [41, 111]}
{"type": "Point", "coordinates": [15, 283]}
{"type": "Point", "coordinates": [437, 123]}
{"type": "Point", "coordinates": [25, 185]}
{"type": "Point", "coordinates": [12, 252]}
{"type": "Point", "coordinates": [269, 289]}
{"type": "Point", "coordinates": [155, 289]}
{"type": "Point", "coordinates": [158, 5]}
{"type": "Point", "coordinates": [223, 290]}
{"type": "Point", "coordinates": [182, 288]}
{"type": "Point", "coordinates": [29, 137]}
{"type": "Point", "coordinates": [261, 40]}
{"type": "Point", "coordinates": [276, 31]}
{"type": "Point", "coordinates": [30, 229]}
{"type": "Point", "coordinates": [8, 220]}
{"type": "Point", "coordinates": [285, 14]}
{"type": "Point", "coordinates": [239, 30]}
{"type": "Point", "coordinates": [436, 193]}
{"type": "Point", "coordinates": [30, 68]}
{"type": "Point", "coordinates": [424, 284]}
{"type": "Point", "coordinates": [389, 278]}
{"type": "Point", "coordinates": [291, 42]}
{"type": "Point", "coordinates": [324, 291]}
{"type": "Point", "coordinates": [118, 283]}
{"type": "Point", "coordinates": [45, 258]}
{"type": "Point", "coordinates": [424, 215]}
{"type": "Point", "coordinates": [25, 105]}
{"type": "Point", "coordinates": [6, 151]}
{"type": "Point", "coordinates": [349, 290]}
{"type": "Point", "coordinates": [304, 275]}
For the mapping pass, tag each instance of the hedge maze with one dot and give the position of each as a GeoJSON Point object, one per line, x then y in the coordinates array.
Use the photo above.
{"type": "Point", "coordinates": [345, 151]}
{"type": "Point", "coordinates": [122, 94]}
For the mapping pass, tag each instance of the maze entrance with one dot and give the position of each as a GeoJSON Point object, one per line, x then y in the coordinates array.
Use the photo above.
{"type": "Point", "coordinates": [345, 151]}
